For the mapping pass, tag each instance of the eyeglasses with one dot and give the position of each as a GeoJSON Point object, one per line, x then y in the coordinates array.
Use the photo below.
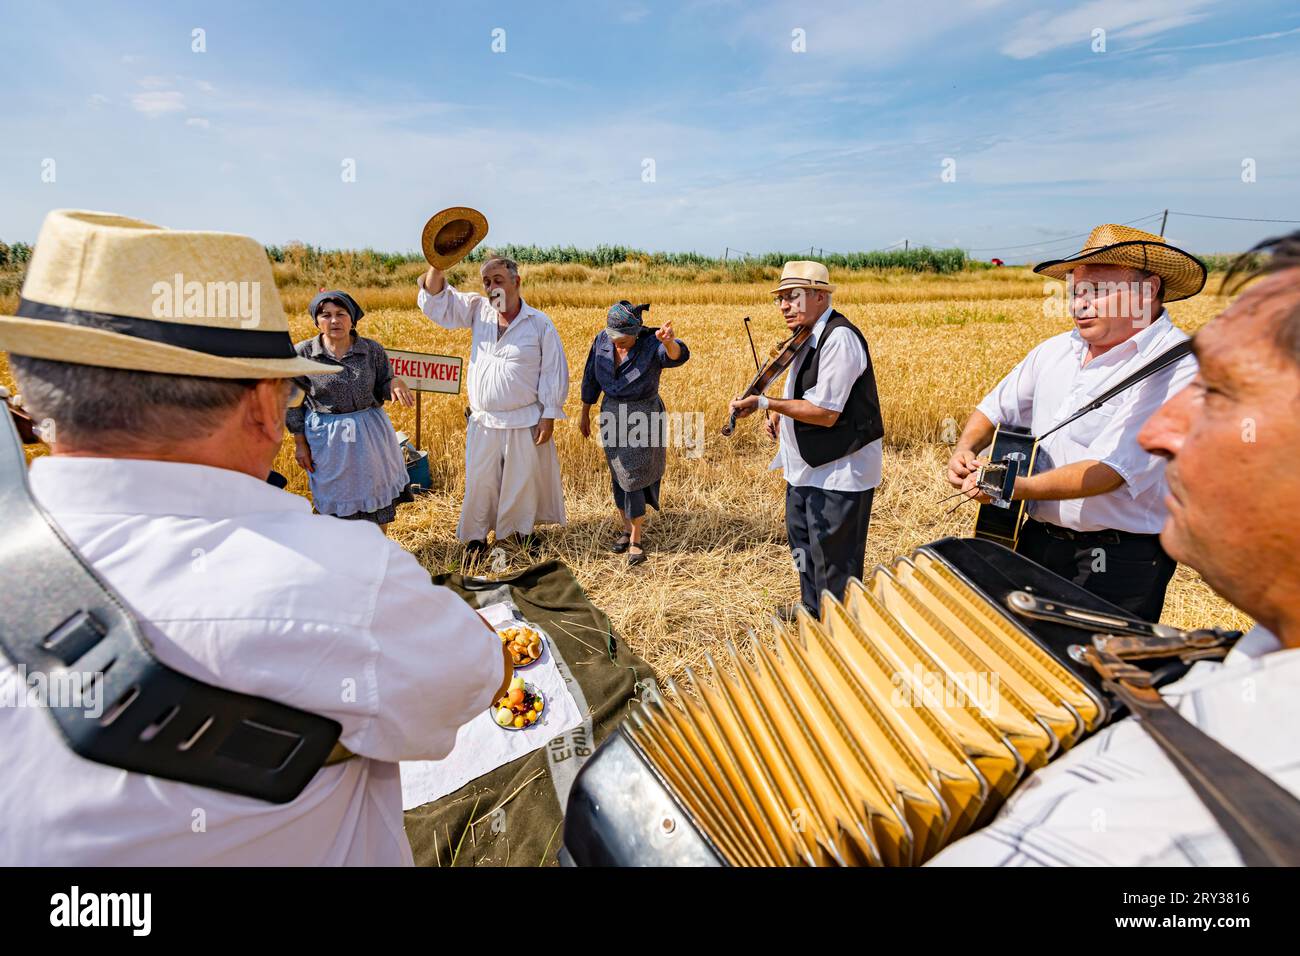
{"type": "Point", "coordinates": [296, 395]}
{"type": "Point", "coordinates": [794, 295]}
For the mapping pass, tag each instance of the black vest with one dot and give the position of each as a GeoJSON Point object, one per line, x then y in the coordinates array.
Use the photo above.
{"type": "Point", "coordinates": [859, 423]}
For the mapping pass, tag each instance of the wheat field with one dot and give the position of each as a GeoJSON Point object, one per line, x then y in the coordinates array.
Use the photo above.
{"type": "Point", "coordinates": [718, 563]}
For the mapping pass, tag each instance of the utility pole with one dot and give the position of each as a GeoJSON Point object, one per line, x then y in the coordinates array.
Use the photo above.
{"type": "Point", "coordinates": [904, 245]}
{"type": "Point", "coordinates": [1164, 219]}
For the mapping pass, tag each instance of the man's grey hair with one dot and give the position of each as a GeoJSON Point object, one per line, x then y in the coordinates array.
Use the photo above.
{"type": "Point", "coordinates": [112, 408]}
{"type": "Point", "coordinates": [511, 266]}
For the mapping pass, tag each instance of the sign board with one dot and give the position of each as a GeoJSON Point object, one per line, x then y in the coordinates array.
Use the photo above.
{"type": "Point", "coordinates": [427, 373]}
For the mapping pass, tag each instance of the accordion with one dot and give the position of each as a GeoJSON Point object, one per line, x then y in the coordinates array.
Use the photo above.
{"type": "Point", "coordinates": [896, 723]}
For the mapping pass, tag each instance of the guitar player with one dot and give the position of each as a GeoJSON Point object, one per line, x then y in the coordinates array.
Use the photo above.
{"type": "Point", "coordinates": [1096, 499]}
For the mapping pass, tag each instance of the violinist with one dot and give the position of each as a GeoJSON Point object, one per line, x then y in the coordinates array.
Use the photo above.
{"type": "Point", "coordinates": [830, 433]}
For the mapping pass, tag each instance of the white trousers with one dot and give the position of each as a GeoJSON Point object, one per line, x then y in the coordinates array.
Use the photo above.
{"type": "Point", "coordinates": [510, 483]}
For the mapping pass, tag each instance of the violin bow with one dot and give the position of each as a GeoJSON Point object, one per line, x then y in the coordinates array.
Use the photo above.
{"type": "Point", "coordinates": [757, 367]}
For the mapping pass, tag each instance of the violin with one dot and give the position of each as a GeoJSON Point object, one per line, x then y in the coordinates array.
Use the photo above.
{"type": "Point", "coordinates": [781, 356]}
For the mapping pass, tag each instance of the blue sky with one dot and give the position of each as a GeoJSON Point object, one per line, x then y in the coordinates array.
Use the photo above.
{"type": "Point", "coordinates": [755, 146]}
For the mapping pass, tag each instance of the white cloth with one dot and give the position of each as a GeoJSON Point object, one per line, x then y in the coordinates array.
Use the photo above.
{"type": "Point", "coordinates": [843, 361]}
{"type": "Point", "coordinates": [482, 746]}
{"type": "Point", "coordinates": [516, 378]}
{"type": "Point", "coordinates": [511, 484]}
{"type": "Point", "coordinates": [236, 583]}
{"type": "Point", "coordinates": [1052, 383]}
{"type": "Point", "coordinates": [1116, 800]}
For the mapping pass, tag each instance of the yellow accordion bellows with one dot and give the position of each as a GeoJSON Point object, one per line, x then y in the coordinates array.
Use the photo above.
{"type": "Point", "coordinates": [876, 735]}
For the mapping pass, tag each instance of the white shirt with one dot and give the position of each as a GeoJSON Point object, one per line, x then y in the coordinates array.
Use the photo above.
{"type": "Point", "coordinates": [236, 583]}
{"type": "Point", "coordinates": [1116, 800]}
{"type": "Point", "coordinates": [843, 361]}
{"type": "Point", "coordinates": [516, 378]}
{"type": "Point", "coordinates": [1052, 383]}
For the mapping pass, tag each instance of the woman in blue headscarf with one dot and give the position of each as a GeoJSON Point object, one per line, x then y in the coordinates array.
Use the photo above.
{"type": "Point", "coordinates": [624, 363]}
{"type": "Point", "coordinates": [345, 440]}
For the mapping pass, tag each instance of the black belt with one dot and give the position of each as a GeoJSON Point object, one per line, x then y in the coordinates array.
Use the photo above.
{"type": "Point", "coordinates": [1107, 536]}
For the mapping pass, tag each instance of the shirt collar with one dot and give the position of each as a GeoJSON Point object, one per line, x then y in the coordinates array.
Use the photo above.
{"type": "Point", "coordinates": [317, 350]}
{"type": "Point", "coordinates": [1140, 344]}
{"type": "Point", "coordinates": [131, 486]}
{"type": "Point", "coordinates": [820, 326]}
{"type": "Point", "coordinates": [525, 311]}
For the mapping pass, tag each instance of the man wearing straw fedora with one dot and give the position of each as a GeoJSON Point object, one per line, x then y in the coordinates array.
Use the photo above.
{"type": "Point", "coordinates": [158, 363]}
{"type": "Point", "coordinates": [518, 381]}
{"type": "Point", "coordinates": [830, 432]}
{"type": "Point", "coordinates": [1096, 499]}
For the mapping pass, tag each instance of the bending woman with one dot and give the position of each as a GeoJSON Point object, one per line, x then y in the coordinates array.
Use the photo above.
{"type": "Point", "coordinates": [345, 441]}
{"type": "Point", "coordinates": [624, 363]}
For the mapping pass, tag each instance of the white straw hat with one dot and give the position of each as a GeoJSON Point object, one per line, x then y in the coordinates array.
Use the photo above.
{"type": "Point", "coordinates": [170, 301]}
{"type": "Point", "coordinates": [805, 274]}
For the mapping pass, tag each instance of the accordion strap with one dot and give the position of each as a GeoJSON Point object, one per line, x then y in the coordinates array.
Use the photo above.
{"type": "Point", "coordinates": [117, 704]}
{"type": "Point", "coordinates": [1259, 816]}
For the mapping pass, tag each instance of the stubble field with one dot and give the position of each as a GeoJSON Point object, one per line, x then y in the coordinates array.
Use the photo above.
{"type": "Point", "coordinates": [718, 562]}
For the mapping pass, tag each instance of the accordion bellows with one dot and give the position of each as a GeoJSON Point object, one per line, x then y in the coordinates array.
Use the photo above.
{"type": "Point", "coordinates": [895, 724]}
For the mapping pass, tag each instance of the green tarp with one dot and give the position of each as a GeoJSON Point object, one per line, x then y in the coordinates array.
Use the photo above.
{"type": "Point", "coordinates": [513, 814]}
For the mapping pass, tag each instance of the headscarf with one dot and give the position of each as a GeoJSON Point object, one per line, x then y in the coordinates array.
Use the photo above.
{"type": "Point", "coordinates": [339, 297]}
{"type": "Point", "coordinates": [624, 318]}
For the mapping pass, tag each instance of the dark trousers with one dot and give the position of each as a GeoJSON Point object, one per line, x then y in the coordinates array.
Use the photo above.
{"type": "Point", "coordinates": [828, 538]}
{"type": "Point", "coordinates": [1128, 570]}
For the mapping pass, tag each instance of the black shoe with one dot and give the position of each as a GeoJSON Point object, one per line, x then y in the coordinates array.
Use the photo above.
{"type": "Point", "coordinates": [636, 557]}
{"type": "Point", "coordinates": [531, 544]}
{"type": "Point", "coordinates": [475, 550]}
{"type": "Point", "coordinates": [621, 543]}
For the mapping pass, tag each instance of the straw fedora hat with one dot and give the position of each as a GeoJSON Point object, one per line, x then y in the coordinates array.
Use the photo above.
{"type": "Point", "coordinates": [805, 274]}
{"type": "Point", "coordinates": [181, 303]}
{"type": "Point", "coordinates": [1183, 274]}
{"type": "Point", "coordinates": [449, 236]}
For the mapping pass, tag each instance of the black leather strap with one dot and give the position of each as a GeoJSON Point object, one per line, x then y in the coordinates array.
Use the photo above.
{"type": "Point", "coordinates": [57, 616]}
{"type": "Point", "coordinates": [1259, 816]}
{"type": "Point", "coordinates": [1167, 357]}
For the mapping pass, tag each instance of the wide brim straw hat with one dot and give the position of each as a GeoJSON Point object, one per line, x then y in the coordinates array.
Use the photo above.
{"type": "Point", "coordinates": [1182, 273]}
{"type": "Point", "coordinates": [165, 300]}
{"type": "Point", "coordinates": [805, 274]}
{"type": "Point", "coordinates": [449, 236]}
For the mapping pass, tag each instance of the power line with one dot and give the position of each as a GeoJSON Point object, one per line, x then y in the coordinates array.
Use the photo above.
{"type": "Point", "coordinates": [1059, 239]}
{"type": "Point", "coordinates": [1199, 215]}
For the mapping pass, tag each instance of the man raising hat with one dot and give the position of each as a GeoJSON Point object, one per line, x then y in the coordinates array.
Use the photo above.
{"type": "Point", "coordinates": [830, 432]}
{"type": "Point", "coordinates": [518, 381]}
{"type": "Point", "coordinates": [158, 363]}
{"type": "Point", "coordinates": [1096, 498]}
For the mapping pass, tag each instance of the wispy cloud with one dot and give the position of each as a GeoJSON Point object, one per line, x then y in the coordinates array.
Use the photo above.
{"type": "Point", "coordinates": [158, 103]}
{"type": "Point", "coordinates": [1121, 19]}
{"type": "Point", "coordinates": [552, 82]}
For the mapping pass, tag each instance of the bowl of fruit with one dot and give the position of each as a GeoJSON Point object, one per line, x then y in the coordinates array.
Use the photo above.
{"type": "Point", "coordinates": [524, 643]}
{"type": "Point", "coordinates": [520, 708]}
